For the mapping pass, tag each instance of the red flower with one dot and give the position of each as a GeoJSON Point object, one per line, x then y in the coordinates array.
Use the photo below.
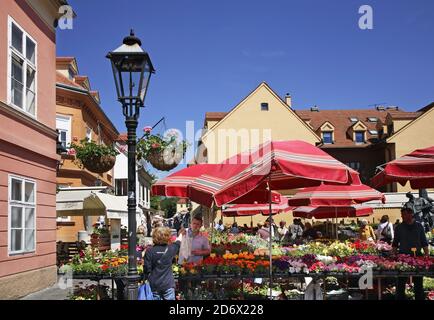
{"type": "Point", "coordinates": [147, 129]}
{"type": "Point", "coordinates": [155, 145]}
{"type": "Point", "coordinates": [72, 152]}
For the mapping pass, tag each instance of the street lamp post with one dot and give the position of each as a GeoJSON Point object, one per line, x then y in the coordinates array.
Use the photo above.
{"type": "Point", "coordinates": [132, 70]}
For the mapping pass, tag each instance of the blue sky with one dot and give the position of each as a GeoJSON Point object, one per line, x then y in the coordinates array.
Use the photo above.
{"type": "Point", "coordinates": [210, 54]}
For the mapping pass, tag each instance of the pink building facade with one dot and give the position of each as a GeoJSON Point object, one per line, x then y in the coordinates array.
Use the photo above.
{"type": "Point", "coordinates": [28, 158]}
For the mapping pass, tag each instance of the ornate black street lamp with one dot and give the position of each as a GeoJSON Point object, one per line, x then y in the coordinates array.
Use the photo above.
{"type": "Point", "coordinates": [132, 70]}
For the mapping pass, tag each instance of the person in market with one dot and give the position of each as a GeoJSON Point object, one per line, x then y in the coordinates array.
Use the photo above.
{"type": "Point", "coordinates": [385, 231]}
{"type": "Point", "coordinates": [309, 232]}
{"type": "Point", "coordinates": [200, 246]}
{"type": "Point", "coordinates": [157, 266]}
{"type": "Point", "coordinates": [264, 231]}
{"type": "Point", "coordinates": [234, 229]}
{"type": "Point", "coordinates": [410, 239]}
{"type": "Point", "coordinates": [397, 222]}
{"type": "Point", "coordinates": [283, 232]}
{"type": "Point", "coordinates": [219, 226]}
{"type": "Point", "coordinates": [296, 230]}
{"type": "Point", "coordinates": [366, 233]}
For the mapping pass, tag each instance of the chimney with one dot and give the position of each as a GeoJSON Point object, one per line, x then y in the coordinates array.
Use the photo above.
{"type": "Point", "coordinates": [288, 100]}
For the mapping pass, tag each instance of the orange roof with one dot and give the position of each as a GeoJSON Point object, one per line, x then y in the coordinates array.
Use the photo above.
{"type": "Point", "coordinates": [402, 115]}
{"type": "Point", "coordinates": [340, 119]}
{"type": "Point", "coordinates": [122, 137]}
{"type": "Point", "coordinates": [215, 115]}
{"type": "Point", "coordinates": [60, 78]}
{"type": "Point", "coordinates": [64, 59]}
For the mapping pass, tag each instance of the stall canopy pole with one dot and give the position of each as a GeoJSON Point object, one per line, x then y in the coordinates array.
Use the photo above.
{"type": "Point", "coordinates": [270, 235]}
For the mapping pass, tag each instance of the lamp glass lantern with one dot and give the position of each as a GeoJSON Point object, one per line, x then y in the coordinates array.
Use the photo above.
{"type": "Point", "coordinates": [132, 70]}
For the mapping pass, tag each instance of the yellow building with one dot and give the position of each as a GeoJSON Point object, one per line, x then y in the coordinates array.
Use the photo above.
{"type": "Point", "coordinates": [78, 116]}
{"type": "Point", "coordinates": [363, 139]}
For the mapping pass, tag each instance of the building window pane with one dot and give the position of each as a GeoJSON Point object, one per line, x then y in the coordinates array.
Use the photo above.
{"type": "Point", "coordinates": [327, 137]}
{"type": "Point", "coordinates": [17, 190]}
{"type": "Point", "coordinates": [30, 218]}
{"type": "Point", "coordinates": [29, 195]}
{"type": "Point", "coordinates": [17, 38]}
{"type": "Point", "coordinates": [16, 217]}
{"type": "Point", "coordinates": [30, 239]}
{"type": "Point", "coordinates": [16, 239]}
{"type": "Point", "coordinates": [30, 50]}
{"type": "Point", "coordinates": [22, 72]}
{"type": "Point", "coordinates": [30, 92]}
{"type": "Point", "coordinates": [360, 137]}
{"type": "Point", "coordinates": [17, 81]}
{"type": "Point", "coordinates": [264, 106]}
{"type": "Point", "coordinates": [121, 186]}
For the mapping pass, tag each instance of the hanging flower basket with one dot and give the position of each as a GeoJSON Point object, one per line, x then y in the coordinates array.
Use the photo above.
{"type": "Point", "coordinates": [162, 152]}
{"type": "Point", "coordinates": [164, 160]}
{"type": "Point", "coordinates": [97, 158]}
{"type": "Point", "coordinates": [99, 164]}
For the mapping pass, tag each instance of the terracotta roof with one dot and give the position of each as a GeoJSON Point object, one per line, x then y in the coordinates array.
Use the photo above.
{"type": "Point", "coordinates": [402, 115]}
{"type": "Point", "coordinates": [60, 78]}
{"type": "Point", "coordinates": [122, 137]}
{"type": "Point", "coordinates": [215, 115]}
{"type": "Point", "coordinates": [64, 59]}
{"type": "Point", "coordinates": [340, 119]}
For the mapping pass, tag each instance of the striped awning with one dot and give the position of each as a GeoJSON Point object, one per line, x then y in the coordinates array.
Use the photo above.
{"type": "Point", "coordinates": [416, 167]}
{"type": "Point", "coordinates": [335, 195]}
{"type": "Point", "coordinates": [309, 212]}
{"type": "Point", "coordinates": [239, 210]}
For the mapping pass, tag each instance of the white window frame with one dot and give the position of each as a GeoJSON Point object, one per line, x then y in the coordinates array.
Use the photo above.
{"type": "Point", "coordinates": [23, 205]}
{"type": "Point", "coordinates": [64, 119]}
{"type": "Point", "coordinates": [26, 63]}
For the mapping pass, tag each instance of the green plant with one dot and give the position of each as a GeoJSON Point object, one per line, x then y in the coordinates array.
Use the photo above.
{"type": "Point", "coordinates": [170, 143]}
{"type": "Point", "coordinates": [90, 150]}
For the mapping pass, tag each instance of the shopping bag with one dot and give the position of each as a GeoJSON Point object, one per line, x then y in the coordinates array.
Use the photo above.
{"type": "Point", "coordinates": [145, 292]}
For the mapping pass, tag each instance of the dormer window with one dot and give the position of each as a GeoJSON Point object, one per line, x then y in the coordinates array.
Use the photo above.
{"type": "Point", "coordinates": [373, 119]}
{"type": "Point", "coordinates": [264, 106]}
{"type": "Point", "coordinates": [354, 119]}
{"type": "Point", "coordinates": [373, 132]}
{"type": "Point", "coordinates": [327, 137]}
{"type": "Point", "coordinates": [360, 136]}
{"type": "Point", "coordinates": [327, 130]}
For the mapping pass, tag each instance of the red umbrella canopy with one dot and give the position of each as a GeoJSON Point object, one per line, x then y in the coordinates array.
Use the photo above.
{"type": "Point", "coordinates": [177, 184]}
{"type": "Point", "coordinates": [239, 210]}
{"type": "Point", "coordinates": [309, 212]}
{"type": "Point", "coordinates": [416, 167]}
{"type": "Point", "coordinates": [284, 164]}
{"type": "Point", "coordinates": [335, 195]}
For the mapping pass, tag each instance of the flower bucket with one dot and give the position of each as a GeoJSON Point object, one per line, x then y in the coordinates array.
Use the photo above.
{"type": "Point", "coordinates": [164, 160]}
{"type": "Point", "coordinates": [99, 164]}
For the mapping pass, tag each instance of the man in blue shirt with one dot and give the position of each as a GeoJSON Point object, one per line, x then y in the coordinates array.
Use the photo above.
{"type": "Point", "coordinates": [410, 239]}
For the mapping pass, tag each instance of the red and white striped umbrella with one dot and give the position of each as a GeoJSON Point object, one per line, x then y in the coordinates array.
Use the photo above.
{"type": "Point", "coordinates": [280, 164]}
{"type": "Point", "coordinates": [309, 212]}
{"type": "Point", "coordinates": [177, 184]}
{"type": "Point", "coordinates": [239, 210]}
{"type": "Point", "coordinates": [416, 167]}
{"type": "Point", "coordinates": [335, 195]}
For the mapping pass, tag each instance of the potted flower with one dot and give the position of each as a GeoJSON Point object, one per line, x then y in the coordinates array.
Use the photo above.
{"type": "Point", "coordinates": [162, 152]}
{"type": "Point", "coordinates": [97, 158]}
